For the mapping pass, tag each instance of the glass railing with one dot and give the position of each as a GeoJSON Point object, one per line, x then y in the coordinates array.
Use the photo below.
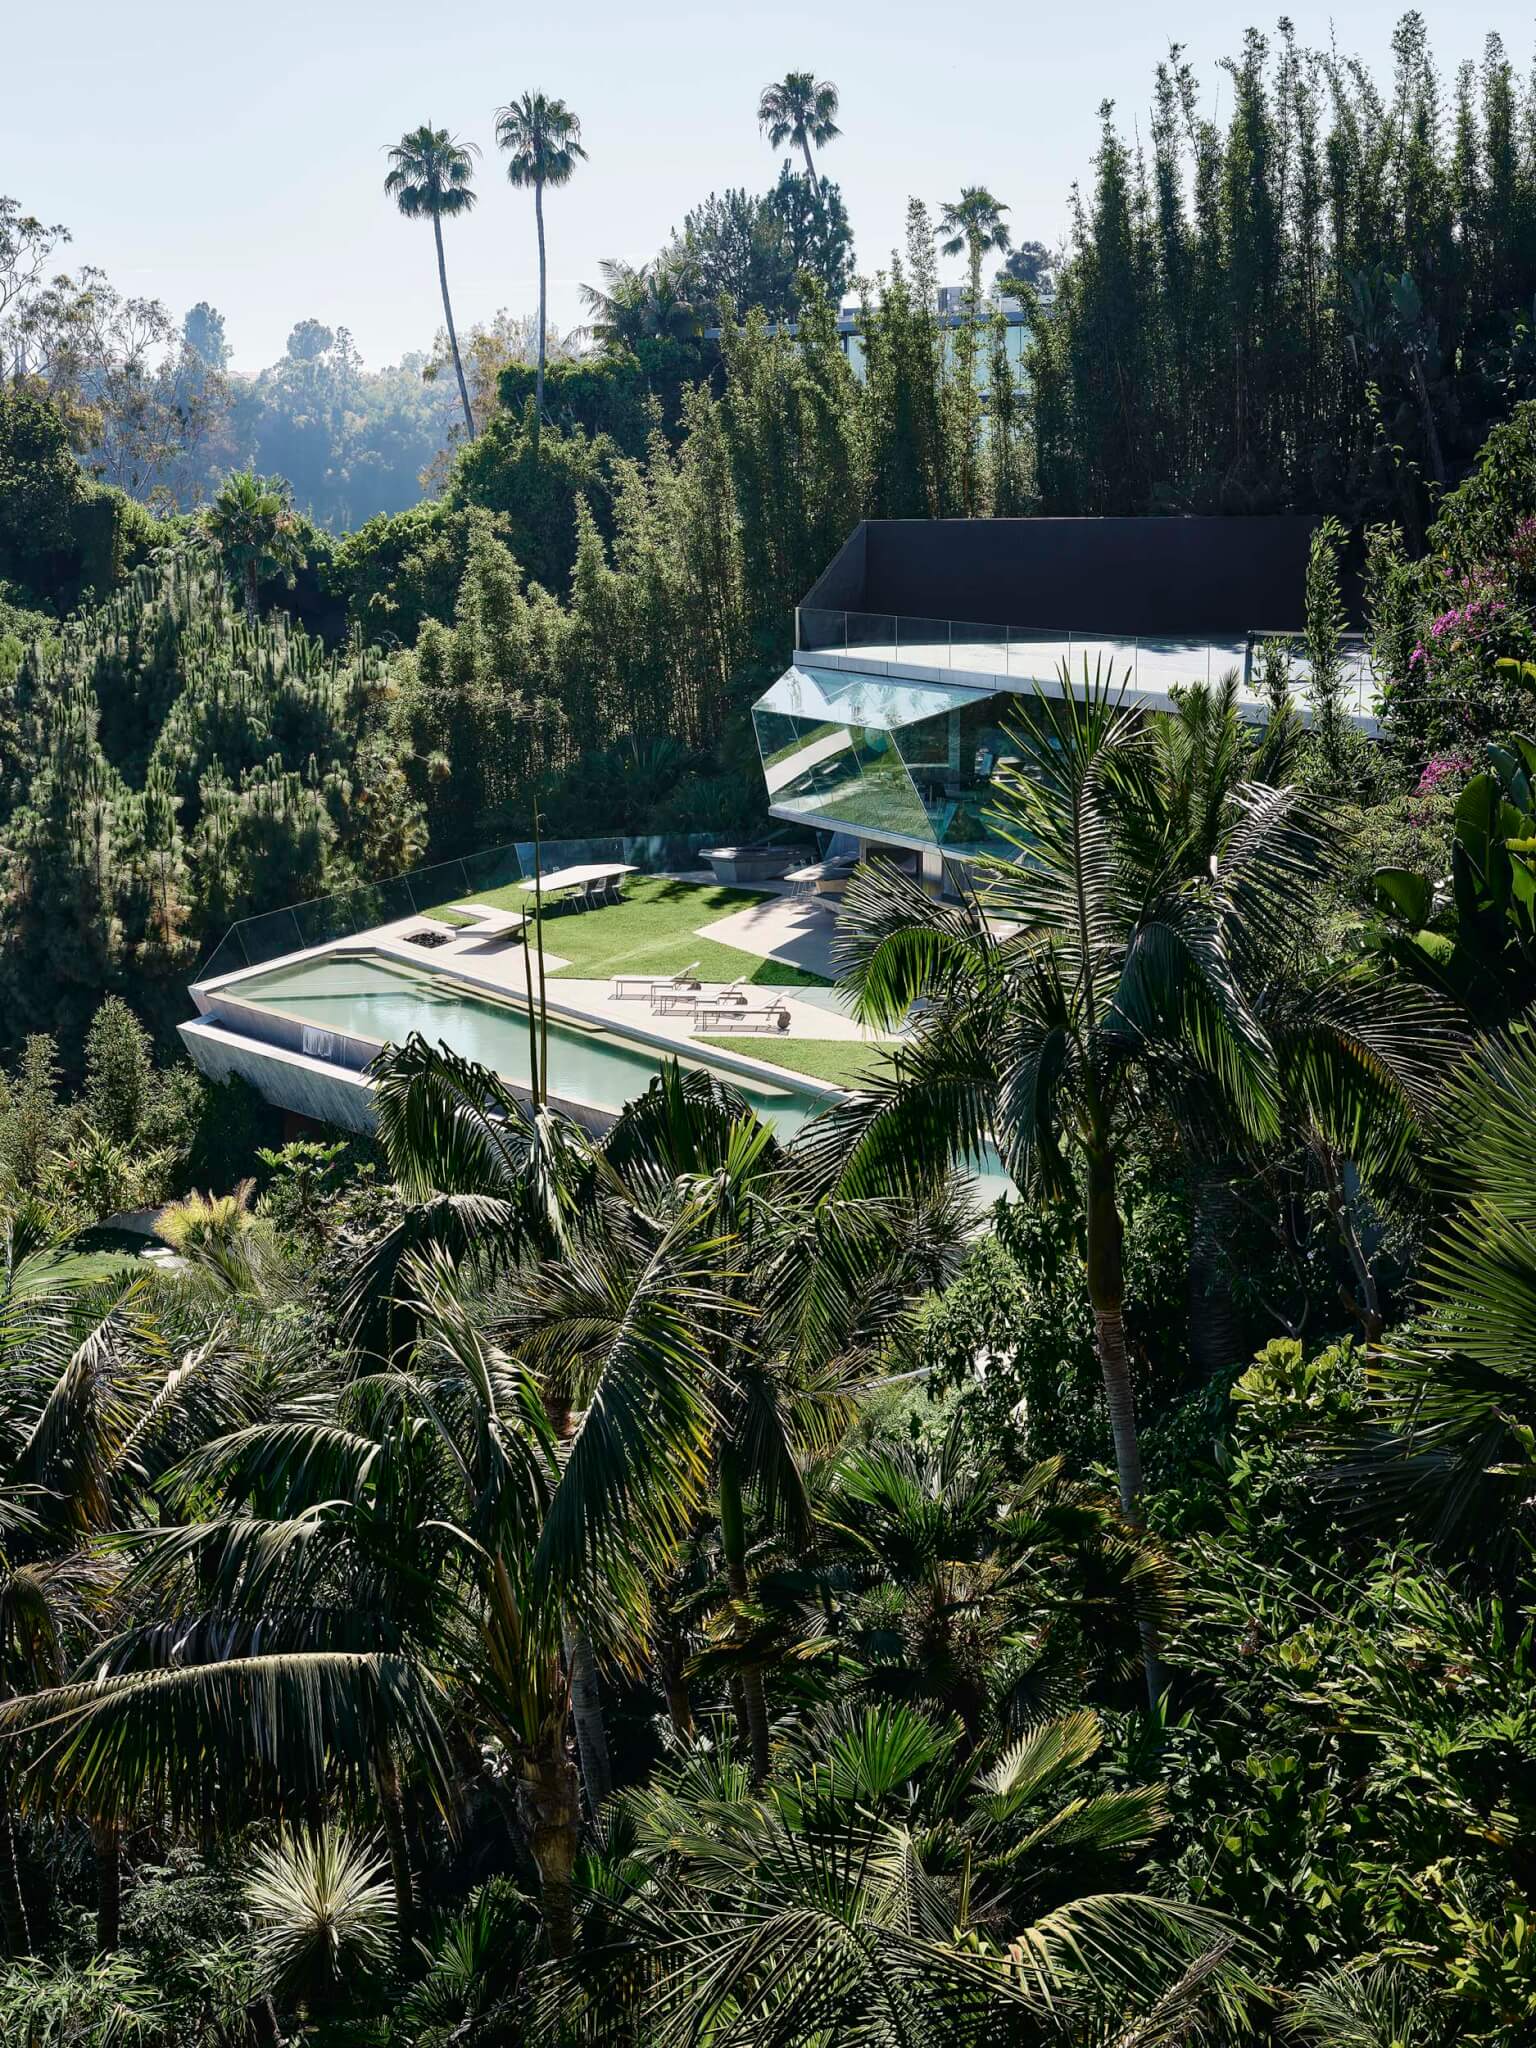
{"type": "Point", "coordinates": [1154, 663]}
{"type": "Point", "coordinates": [349, 912]}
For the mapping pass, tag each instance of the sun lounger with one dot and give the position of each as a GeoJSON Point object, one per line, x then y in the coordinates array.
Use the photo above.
{"type": "Point", "coordinates": [625, 987]}
{"type": "Point", "coordinates": [667, 1002]}
{"type": "Point", "coordinates": [717, 1016]}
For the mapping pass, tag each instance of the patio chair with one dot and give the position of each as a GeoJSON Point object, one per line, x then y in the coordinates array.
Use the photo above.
{"type": "Point", "coordinates": [623, 987]}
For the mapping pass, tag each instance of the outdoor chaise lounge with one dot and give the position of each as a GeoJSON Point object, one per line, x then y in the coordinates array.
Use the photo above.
{"type": "Point", "coordinates": [738, 1016]}
{"type": "Point", "coordinates": [636, 987]}
{"type": "Point", "coordinates": [666, 1001]}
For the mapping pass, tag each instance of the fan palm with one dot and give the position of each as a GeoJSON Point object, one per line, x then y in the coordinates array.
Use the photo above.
{"type": "Point", "coordinates": [1097, 979]}
{"type": "Point", "coordinates": [1458, 1397]}
{"type": "Point", "coordinates": [542, 138]}
{"type": "Point", "coordinates": [800, 109]}
{"type": "Point", "coordinates": [976, 1587]}
{"type": "Point", "coordinates": [974, 224]}
{"type": "Point", "coordinates": [252, 525]}
{"type": "Point", "coordinates": [431, 173]}
{"type": "Point", "coordinates": [875, 1890]}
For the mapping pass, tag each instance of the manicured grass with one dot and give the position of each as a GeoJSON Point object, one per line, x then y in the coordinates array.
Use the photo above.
{"type": "Point", "coordinates": [653, 931]}
{"type": "Point", "coordinates": [845, 1062]}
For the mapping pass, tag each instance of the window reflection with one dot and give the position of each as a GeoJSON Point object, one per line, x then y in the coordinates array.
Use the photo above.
{"type": "Point", "coordinates": [916, 762]}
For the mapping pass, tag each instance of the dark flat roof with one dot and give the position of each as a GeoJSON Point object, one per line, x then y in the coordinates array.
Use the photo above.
{"type": "Point", "coordinates": [1210, 577]}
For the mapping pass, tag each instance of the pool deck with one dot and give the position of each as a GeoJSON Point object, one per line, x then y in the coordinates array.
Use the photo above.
{"type": "Point", "coordinates": [775, 929]}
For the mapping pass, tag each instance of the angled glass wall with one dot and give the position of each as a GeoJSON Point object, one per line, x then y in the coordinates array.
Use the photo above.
{"type": "Point", "coordinates": [913, 762]}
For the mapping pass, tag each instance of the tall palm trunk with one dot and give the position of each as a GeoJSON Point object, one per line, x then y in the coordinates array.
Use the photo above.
{"type": "Point", "coordinates": [733, 1542]}
{"type": "Point", "coordinates": [13, 1911]}
{"type": "Point", "coordinates": [538, 391]}
{"type": "Point", "coordinates": [580, 1664]}
{"type": "Point", "coordinates": [386, 1780]}
{"type": "Point", "coordinates": [810, 168]}
{"type": "Point", "coordinates": [1106, 1296]}
{"type": "Point", "coordinates": [674, 1680]}
{"type": "Point", "coordinates": [252, 600]}
{"type": "Point", "coordinates": [453, 339]}
{"type": "Point", "coordinates": [106, 1843]}
{"type": "Point", "coordinates": [552, 1808]}
{"type": "Point", "coordinates": [587, 1717]}
{"type": "Point", "coordinates": [1214, 1337]}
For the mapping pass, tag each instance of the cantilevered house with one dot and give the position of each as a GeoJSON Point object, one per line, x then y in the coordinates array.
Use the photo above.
{"type": "Point", "coordinates": [918, 642]}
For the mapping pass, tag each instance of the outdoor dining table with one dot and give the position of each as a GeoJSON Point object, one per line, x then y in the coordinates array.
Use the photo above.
{"type": "Point", "coordinates": [590, 883]}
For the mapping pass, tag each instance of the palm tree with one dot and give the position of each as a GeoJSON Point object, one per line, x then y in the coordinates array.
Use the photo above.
{"type": "Point", "coordinates": [1457, 1393]}
{"type": "Point", "coordinates": [430, 173]}
{"type": "Point", "coordinates": [811, 1290]}
{"type": "Point", "coordinates": [542, 138]}
{"type": "Point", "coordinates": [1097, 979]}
{"type": "Point", "coordinates": [879, 1889]}
{"type": "Point", "coordinates": [640, 302]}
{"type": "Point", "coordinates": [800, 109]}
{"type": "Point", "coordinates": [974, 223]}
{"type": "Point", "coordinates": [97, 1404]}
{"type": "Point", "coordinates": [252, 525]}
{"type": "Point", "coordinates": [1360, 1056]}
{"type": "Point", "coordinates": [692, 1299]}
{"type": "Point", "coordinates": [961, 1558]}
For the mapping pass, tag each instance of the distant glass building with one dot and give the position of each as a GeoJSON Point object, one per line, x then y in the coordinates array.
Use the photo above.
{"type": "Point", "coordinates": [951, 317]}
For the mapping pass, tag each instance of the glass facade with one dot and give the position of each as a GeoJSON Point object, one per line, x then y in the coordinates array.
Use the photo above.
{"type": "Point", "coordinates": [911, 762]}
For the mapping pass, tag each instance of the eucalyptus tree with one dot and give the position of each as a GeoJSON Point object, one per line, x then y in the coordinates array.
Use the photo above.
{"type": "Point", "coordinates": [431, 174]}
{"type": "Point", "coordinates": [251, 525]}
{"type": "Point", "coordinates": [800, 109]}
{"type": "Point", "coordinates": [542, 138]}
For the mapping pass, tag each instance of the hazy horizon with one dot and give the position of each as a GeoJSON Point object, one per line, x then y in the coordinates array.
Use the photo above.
{"type": "Point", "coordinates": [256, 182]}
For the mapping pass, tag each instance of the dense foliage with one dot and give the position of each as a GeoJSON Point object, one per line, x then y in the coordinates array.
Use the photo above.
{"type": "Point", "coordinates": [504, 1584]}
{"type": "Point", "coordinates": [1323, 301]}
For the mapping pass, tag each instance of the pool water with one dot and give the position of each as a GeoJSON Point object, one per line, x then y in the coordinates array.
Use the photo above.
{"type": "Point", "coordinates": [386, 1000]}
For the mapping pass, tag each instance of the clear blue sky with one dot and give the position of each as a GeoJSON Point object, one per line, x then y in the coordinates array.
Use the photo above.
{"type": "Point", "coordinates": [235, 153]}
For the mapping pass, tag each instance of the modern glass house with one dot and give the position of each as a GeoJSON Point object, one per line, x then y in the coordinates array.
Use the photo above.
{"type": "Point", "coordinates": [923, 641]}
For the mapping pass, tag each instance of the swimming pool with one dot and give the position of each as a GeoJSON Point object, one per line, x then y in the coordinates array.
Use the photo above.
{"type": "Point", "coordinates": [382, 1000]}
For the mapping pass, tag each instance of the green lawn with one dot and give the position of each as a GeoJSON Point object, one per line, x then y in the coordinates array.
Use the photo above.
{"type": "Point", "coordinates": [845, 1062]}
{"type": "Point", "coordinates": [653, 931]}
